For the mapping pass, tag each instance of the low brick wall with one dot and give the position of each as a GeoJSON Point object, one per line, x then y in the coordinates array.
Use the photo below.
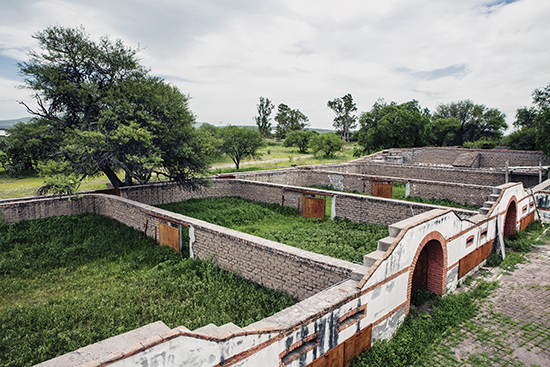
{"type": "Point", "coordinates": [298, 272]}
{"type": "Point", "coordinates": [458, 192]}
{"type": "Point", "coordinates": [487, 177]}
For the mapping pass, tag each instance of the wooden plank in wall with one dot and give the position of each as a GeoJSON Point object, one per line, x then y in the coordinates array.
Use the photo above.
{"type": "Point", "coordinates": [357, 344]}
{"type": "Point", "coordinates": [382, 189]}
{"type": "Point", "coordinates": [169, 236]}
{"type": "Point", "coordinates": [525, 221]}
{"type": "Point", "coordinates": [314, 207]}
{"type": "Point", "coordinates": [332, 358]}
{"type": "Point", "coordinates": [473, 259]}
{"type": "Point", "coordinates": [343, 354]}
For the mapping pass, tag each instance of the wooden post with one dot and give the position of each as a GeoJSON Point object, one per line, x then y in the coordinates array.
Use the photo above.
{"type": "Point", "coordinates": [506, 171]}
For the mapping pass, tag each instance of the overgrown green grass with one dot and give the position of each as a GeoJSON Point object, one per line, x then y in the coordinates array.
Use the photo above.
{"type": "Point", "coordinates": [70, 281]}
{"type": "Point", "coordinates": [339, 238]}
{"type": "Point", "coordinates": [517, 246]}
{"type": "Point", "coordinates": [421, 331]}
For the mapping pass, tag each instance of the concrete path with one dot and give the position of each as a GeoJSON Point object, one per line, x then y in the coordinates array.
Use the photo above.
{"type": "Point", "coordinates": [513, 327]}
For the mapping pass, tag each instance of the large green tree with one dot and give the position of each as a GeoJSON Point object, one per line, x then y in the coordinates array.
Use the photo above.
{"type": "Point", "coordinates": [240, 142]}
{"type": "Point", "coordinates": [525, 135]}
{"type": "Point", "coordinates": [299, 139]}
{"type": "Point", "coordinates": [26, 144]}
{"type": "Point", "coordinates": [328, 143]}
{"type": "Point", "coordinates": [541, 99]}
{"type": "Point", "coordinates": [263, 120]}
{"type": "Point", "coordinates": [289, 120]}
{"type": "Point", "coordinates": [344, 120]}
{"type": "Point", "coordinates": [394, 126]}
{"type": "Point", "coordinates": [476, 121]}
{"type": "Point", "coordinates": [112, 117]}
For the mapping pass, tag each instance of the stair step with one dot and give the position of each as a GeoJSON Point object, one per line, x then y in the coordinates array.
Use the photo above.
{"type": "Point", "coordinates": [229, 328]}
{"type": "Point", "coordinates": [484, 210]}
{"type": "Point", "coordinates": [385, 243]}
{"type": "Point", "coordinates": [496, 191]}
{"type": "Point", "coordinates": [493, 197]}
{"type": "Point", "coordinates": [488, 204]}
{"type": "Point", "coordinates": [370, 259]}
{"type": "Point", "coordinates": [217, 331]}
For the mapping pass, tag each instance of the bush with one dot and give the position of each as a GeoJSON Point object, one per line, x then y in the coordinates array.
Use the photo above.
{"type": "Point", "coordinates": [328, 143]}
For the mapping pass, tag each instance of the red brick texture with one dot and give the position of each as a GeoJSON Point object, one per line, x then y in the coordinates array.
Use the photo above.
{"type": "Point", "coordinates": [437, 263]}
{"type": "Point", "coordinates": [511, 217]}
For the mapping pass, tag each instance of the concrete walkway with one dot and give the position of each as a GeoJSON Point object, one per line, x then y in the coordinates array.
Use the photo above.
{"type": "Point", "coordinates": [513, 327]}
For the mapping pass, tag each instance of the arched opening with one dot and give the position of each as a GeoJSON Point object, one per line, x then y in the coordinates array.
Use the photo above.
{"type": "Point", "coordinates": [428, 270]}
{"type": "Point", "coordinates": [510, 221]}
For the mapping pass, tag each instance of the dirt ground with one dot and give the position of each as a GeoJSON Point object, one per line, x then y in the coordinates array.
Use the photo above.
{"type": "Point", "coordinates": [513, 327]}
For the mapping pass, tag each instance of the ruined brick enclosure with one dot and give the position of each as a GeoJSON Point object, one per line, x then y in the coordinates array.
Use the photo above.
{"type": "Point", "coordinates": [343, 306]}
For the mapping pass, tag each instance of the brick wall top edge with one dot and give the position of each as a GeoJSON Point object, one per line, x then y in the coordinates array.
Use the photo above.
{"type": "Point", "coordinates": [323, 261]}
{"type": "Point", "coordinates": [388, 178]}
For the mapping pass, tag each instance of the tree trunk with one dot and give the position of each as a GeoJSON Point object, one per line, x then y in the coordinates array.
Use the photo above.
{"type": "Point", "coordinates": [113, 178]}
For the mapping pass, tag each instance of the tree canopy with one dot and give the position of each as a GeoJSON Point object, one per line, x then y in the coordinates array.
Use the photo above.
{"type": "Point", "coordinates": [110, 115]}
{"type": "Point", "coordinates": [394, 126]}
{"type": "Point", "coordinates": [288, 120]}
{"type": "Point", "coordinates": [476, 120]}
{"type": "Point", "coordinates": [541, 99]}
{"type": "Point", "coordinates": [263, 120]}
{"type": "Point", "coordinates": [328, 143]}
{"type": "Point", "coordinates": [344, 120]}
{"type": "Point", "coordinates": [299, 139]}
{"type": "Point", "coordinates": [240, 142]}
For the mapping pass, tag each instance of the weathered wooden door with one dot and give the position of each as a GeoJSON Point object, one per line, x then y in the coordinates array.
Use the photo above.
{"type": "Point", "coordinates": [382, 189]}
{"type": "Point", "coordinates": [169, 236]}
{"type": "Point", "coordinates": [314, 207]}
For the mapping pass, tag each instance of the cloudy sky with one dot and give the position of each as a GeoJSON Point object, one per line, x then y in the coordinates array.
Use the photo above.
{"type": "Point", "coordinates": [226, 54]}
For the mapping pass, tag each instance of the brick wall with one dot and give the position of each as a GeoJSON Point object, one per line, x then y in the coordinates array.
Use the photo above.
{"type": "Point", "coordinates": [458, 192]}
{"type": "Point", "coordinates": [298, 272]}
{"type": "Point", "coordinates": [488, 158]}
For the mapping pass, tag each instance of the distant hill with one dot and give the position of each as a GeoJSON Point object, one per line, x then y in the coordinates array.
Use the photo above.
{"type": "Point", "coordinates": [6, 124]}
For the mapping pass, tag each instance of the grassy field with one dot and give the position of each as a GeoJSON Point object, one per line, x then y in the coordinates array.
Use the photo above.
{"type": "Point", "coordinates": [29, 182]}
{"type": "Point", "coordinates": [71, 281]}
{"type": "Point", "coordinates": [339, 238]}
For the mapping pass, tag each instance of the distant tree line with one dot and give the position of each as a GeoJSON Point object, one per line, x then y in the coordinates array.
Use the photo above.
{"type": "Point", "coordinates": [393, 125]}
{"type": "Point", "coordinates": [98, 111]}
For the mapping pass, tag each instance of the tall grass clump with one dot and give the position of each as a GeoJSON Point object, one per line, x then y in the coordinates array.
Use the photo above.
{"type": "Point", "coordinates": [71, 281]}
{"type": "Point", "coordinates": [339, 238]}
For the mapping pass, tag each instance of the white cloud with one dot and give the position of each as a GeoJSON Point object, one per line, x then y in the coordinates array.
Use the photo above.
{"type": "Point", "coordinates": [303, 53]}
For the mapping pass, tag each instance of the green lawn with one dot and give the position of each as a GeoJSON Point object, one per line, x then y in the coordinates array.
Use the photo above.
{"type": "Point", "coordinates": [339, 238]}
{"type": "Point", "coordinates": [71, 281]}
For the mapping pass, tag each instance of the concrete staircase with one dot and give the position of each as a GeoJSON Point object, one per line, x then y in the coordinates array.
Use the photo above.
{"type": "Point", "coordinates": [491, 200]}
{"type": "Point", "coordinates": [394, 230]}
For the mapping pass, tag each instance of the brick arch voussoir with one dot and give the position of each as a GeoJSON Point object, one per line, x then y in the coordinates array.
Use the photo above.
{"type": "Point", "coordinates": [435, 235]}
{"type": "Point", "coordinates": [512, 222]}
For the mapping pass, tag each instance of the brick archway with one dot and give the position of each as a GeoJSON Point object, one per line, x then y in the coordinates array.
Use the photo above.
{"type": "Point", "coordinates": [511, 218]}
{"type": "Point", "coordinates": [432, 250]}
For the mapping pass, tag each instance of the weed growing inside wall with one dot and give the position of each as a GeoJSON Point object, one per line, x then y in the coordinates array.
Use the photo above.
{"type": "Point", "coordinates": [71, 281]}
{"type": "Point", "coordinates": [339, 238]}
